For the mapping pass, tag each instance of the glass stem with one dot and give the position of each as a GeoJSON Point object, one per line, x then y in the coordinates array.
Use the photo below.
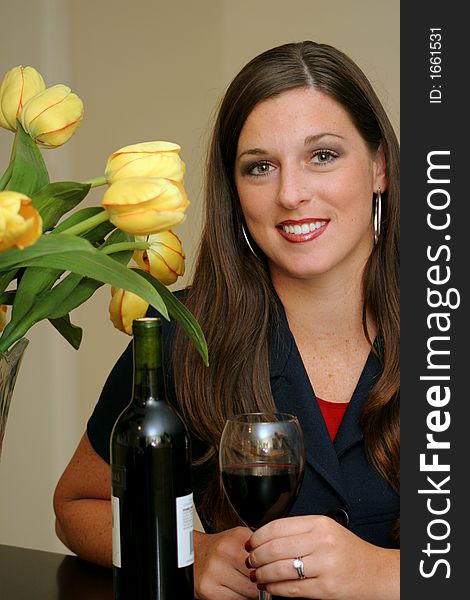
{"type": "Point", "coordinates": [264, 596]}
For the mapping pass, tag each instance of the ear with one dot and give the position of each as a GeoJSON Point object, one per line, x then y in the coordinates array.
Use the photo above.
{"type": "Point", "coordinates": [380, 170]}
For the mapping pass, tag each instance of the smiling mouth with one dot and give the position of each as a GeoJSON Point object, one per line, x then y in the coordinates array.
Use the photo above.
{"type": "Point", "coordinates": [302, 228]}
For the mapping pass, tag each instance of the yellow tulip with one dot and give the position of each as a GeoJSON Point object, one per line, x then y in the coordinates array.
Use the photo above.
{"type": "Point", "coordinates": [124, 307]}
{"type": "Point", "coordinates": [3, 316]}
{"type": "Point", "coordinates": [165, 257]}
{"type": "Point", "coordinates": [20, 222]}
{"type": "Point", "coordinates": [18, 86]}
{"type": "Point", "coordinates": [149, 159]}
{"type": "Point", "coordinates": [52, 117]}
{"type": "Point", "coordinates": [145, 205]}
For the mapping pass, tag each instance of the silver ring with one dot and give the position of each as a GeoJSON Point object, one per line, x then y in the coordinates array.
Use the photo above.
{"type": "Point", "coordinates": [298, 564]}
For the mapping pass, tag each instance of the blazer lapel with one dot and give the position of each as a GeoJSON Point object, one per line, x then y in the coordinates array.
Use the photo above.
{"type": "Point", "coordinates": [293, 393]}
{"type": "Point", "coordinates": [349, 432]}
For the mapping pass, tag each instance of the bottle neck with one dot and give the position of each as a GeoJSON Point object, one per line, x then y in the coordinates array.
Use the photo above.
{"type": "Point", "coordinates": [148, 366]}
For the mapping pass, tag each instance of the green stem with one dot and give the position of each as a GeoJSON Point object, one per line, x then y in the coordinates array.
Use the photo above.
{"type": "Point", "coordinates": [87, 224]}
{"type": "Point", "coordinates": [96, 182]}
{"type": "Point", "coordinates": [122, 246]}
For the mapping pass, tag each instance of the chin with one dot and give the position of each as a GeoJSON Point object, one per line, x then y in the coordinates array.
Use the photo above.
{"type": "Point", "coordinates": [303, 273]}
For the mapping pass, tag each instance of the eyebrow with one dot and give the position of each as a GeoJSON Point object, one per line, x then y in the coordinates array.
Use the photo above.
{"type": "Point", "coordinates": [310, 139]}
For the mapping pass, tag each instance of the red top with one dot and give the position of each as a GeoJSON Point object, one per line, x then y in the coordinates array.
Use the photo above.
{"type": "Point", "coordinates": [333, 413]}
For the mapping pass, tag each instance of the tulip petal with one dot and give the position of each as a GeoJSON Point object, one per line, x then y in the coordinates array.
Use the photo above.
{"type": "Point", "coordinates": [34, 227]}
{"type": "Point", "coordinates": [53, 139]}
{"type": "Point", "coordinates": [43, 102]}
{"type": "Point", "coordinates": [3, 316]}
{"type": "Point", "coordinates": [144, 205]}
{"type": "Point", "coordinates": [20, 223]}
{"type": "Point", "coordinates": [18, 86]}
{"type": "Point", "coordinates": [146, 222]}
{"type": "Point", "coordinates": [149, 159]}
{"type": "Point", "coordinates": [165, 257]}
{"type": "Point", "coordinates": [52, 116]}
{"type": "Point", "coordinates": [158, 146]}
{"type": "Point", "coordinates": [124, 307]}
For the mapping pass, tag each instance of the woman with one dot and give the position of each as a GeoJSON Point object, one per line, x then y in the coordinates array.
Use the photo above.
{"type": "Point", "coordinates": [296, 289]}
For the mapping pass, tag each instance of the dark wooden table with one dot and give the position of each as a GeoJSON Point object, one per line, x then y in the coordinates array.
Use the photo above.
{"type": "Point", "coordinates": [36, 575]}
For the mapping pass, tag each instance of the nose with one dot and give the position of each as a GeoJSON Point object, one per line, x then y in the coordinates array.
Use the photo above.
{"type": "Point", "coordinates": [293, 189]}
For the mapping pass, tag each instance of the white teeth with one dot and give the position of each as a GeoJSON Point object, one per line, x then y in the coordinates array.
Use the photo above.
{"type": "Point", "coordinates": [304, 228]}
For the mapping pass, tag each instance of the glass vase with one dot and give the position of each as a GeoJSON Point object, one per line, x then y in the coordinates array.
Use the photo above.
{"type": "Point", "coordinates": [9, 365]}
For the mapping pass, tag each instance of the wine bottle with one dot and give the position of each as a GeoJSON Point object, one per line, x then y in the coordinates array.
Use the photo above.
{"type": "Point", "coordinates": [152, 497]}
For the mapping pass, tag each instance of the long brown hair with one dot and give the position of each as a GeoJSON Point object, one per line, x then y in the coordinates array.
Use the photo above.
{"type": "Point", "coordinates": [232, 295]}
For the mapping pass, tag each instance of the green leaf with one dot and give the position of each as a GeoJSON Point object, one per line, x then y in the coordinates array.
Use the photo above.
{"type": "Point", "coordinates": [33, 282]}
{"type": "Point", "coordinates": [75, 254]}
{"type": "Point", "coordinates": [181, 314]}
{"type": "Point", "coordinates": [6, 279]}
{"type": "Point", "coordinates": [96, 235]}
{"type": "Point", "coordinates": [45, 305]}
{"type": "Point", "coordinates": [81, 293]}
{"type": "Point", "coordinates": [30, 304]}
{"type": "Point", "coordinates": [29, 172]}
{"type": "Point", "coordinates": [7, 297]}
{"type": "Point", "coordinates": [55, 199]}
{"type": "Point", "coordinates": [119, 237]}
{"type": "Point", "coordinates": [87, 287]}
{"type": "Point", "coordinates": [72, 333]}
{"type": "Point", "coordinates": [5, 178]}
{"type": "Point", "coordinates": [34, 301]}
{"type": "Point", "coordinates": [99, 233]}
{"type": "Point", "coordinates": [77, 217]}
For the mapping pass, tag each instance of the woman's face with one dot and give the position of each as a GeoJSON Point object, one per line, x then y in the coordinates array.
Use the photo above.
{"type": "Point", "coordinates": [305, 180]}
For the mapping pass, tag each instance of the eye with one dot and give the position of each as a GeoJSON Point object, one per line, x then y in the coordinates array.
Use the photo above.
{"type": "Point", "coordinates": [259, 168]}
{"type": "Point", "coordinates": [323, 156]}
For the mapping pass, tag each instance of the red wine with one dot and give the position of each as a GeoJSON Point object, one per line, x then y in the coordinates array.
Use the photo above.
{"type": "Point", "coordinates": [260, 493]}
{"type": "Point", "coordinates": [151, 485]}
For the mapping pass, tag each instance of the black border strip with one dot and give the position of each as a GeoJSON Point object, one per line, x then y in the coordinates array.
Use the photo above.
{"type": "Point", "coordinates": [435, 423]}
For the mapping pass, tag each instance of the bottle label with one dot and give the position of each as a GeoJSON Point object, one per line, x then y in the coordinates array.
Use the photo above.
{"type": "Point", "coordinates": [185, 532]}
{"type": "Point", "coordinates": [116, 531]}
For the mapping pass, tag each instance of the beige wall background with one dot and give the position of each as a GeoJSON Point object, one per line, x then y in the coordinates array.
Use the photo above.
{"type": "Point", "coordinates": [146, 70]}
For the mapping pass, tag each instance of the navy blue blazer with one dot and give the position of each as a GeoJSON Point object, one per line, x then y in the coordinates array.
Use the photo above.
{"type": "Point", "coordinates": [338, 480]}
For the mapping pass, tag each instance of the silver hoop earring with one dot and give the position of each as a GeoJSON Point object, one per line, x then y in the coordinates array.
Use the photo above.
{"type": "Point", "coordinates": [248, 243]}
{"type": "Point", "coordinates": [377, 215]}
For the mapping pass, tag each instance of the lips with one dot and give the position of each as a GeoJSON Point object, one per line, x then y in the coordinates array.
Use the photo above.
{"type": "Point", "coordinates": [303, 230]}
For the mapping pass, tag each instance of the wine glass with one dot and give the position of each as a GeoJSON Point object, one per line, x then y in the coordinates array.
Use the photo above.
{"type": "Point", "coordinates": [261, 459]}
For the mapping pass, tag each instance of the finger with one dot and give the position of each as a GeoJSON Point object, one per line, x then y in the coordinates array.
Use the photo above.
{"type": "Point", "coordinates": [240, 585]}
{"type": "Point", "coordinates": [283, 570]}
{"type": "Point", "coordinates": [281, 548]}
{"type": "Point", "coordinates": [296, 588]}
{"type": "Point", "coordinates": [288, 527]}
{"type": "Point", "coordinates": [220, 572]}
{"type": "Point", "coordinates": [232, 588]}
{"type": "Point", "coordinates": [250, 593]}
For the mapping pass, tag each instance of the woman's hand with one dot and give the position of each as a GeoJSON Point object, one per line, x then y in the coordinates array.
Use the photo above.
{"type": "Point", "coordinates": [338, 565]}
{"type": "Point", "coordinates": [219, 568]}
